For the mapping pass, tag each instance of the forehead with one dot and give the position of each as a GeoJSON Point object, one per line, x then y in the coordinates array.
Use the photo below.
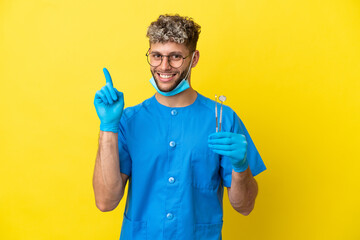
{"type": "Point", "coordinates": [168, 47]}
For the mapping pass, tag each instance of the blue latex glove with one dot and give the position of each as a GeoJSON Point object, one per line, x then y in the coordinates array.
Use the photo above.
{"type": "Point", "coordinates": [109, 105]}
{"type": "Point", "coordinates": [232, 145]}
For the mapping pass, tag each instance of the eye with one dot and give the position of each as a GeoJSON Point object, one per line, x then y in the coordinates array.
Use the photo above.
{"type": "Point", "coordinates": [156, 55]}
{"type": "Point", "coordinates": [176, 57]}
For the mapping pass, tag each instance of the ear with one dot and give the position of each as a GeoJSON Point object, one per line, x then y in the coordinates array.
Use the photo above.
{"type": "Point", "coordinates": [196, 58]}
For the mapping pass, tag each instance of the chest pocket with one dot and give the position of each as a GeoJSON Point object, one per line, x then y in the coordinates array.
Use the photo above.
{"type": "Point", "coordinates": [205, 169]}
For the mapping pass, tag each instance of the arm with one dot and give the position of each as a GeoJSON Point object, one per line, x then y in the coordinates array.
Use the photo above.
{"type": "Point", "coordinates": [108, 182]}
{"type": "Point", "coordinates": [243, 191]}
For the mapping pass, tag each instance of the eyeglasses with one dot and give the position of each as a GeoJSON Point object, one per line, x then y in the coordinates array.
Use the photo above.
{"type": "Point", "coordinates": [174, 60]}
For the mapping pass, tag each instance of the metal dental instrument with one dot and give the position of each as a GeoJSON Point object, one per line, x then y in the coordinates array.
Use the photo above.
{"type": "Point", "coordinates": [216, 114]}
{"type": "Point", "coordinates": [222, 98]}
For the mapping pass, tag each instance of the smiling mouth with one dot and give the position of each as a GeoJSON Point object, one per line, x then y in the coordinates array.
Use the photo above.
{"type": "Point", "coordinates": [165, 77]}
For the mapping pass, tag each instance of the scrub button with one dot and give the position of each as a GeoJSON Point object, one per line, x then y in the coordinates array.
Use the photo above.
{"type": "Point", "coordinates": [173, 112]}
{"type": "Point", "coordinates": [172, 144]}
{"type": "Point", "coordinates": [171, 180]}
{"type": "Point", "coordinates": [169, 216]}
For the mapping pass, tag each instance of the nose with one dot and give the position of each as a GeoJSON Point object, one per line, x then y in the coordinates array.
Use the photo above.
{"type": "Point", "coordinates": [164, 63]}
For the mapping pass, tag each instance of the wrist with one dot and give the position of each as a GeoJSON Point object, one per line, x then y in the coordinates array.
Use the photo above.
{"type": "Point", "coordinates": [108, 137]}
{"type": "Point", "coordinates": [241, 166]}
{"type": "Point", "coordinates": [110, 127]}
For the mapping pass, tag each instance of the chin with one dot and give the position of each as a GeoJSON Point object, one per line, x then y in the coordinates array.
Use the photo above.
{"type": "Point", "coordinates": [169, 89]}
{"type": "Point", "coordinates": [166, 87]}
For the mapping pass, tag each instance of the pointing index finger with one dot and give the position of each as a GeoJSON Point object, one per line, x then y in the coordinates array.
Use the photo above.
{"type": "Point", "coordinates": [107, 76]}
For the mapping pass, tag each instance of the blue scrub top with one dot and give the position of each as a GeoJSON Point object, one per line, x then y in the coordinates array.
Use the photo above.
{"type": "Point", "coordinates": [176, 182]}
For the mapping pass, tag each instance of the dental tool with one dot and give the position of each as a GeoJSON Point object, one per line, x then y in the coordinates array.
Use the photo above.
{"type": "Point", "coordinates": [216, 113]}
{"type": "Point", "coordinates": [222, 98]}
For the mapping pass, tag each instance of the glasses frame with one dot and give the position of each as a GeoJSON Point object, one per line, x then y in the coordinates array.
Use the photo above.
{"type": "Point", "coordinates": [168, 59]}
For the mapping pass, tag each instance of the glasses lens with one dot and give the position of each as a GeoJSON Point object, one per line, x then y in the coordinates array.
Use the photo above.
{"type": "Point", "coordinates": [154, 59]}
{"type": "Point", "coordinates": [176, 60]}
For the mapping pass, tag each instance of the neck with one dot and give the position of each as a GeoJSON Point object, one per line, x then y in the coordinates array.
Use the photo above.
{"type": "Point", "coordinates": [182, 99]}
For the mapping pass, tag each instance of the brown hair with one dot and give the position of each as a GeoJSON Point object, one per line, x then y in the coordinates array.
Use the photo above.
{"type": "Point", "coordinates": [174, 28]}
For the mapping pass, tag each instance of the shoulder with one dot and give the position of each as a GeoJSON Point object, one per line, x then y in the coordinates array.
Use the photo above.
{"type": "Point", "coordinates": [131, 112]}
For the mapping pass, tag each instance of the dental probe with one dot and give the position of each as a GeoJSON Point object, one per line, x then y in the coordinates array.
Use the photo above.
{"type": "Point", "coordinates": [222, 98]}
{"type": "Point", "coordinates": [216, 113]}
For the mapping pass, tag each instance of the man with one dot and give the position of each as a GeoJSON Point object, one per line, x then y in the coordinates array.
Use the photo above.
{"type": "Point", "coordinates": [167, 147]}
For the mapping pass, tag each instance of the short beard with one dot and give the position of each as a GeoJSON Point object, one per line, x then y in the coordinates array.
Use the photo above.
{"type": "Point", "coordinates": [177, 82]}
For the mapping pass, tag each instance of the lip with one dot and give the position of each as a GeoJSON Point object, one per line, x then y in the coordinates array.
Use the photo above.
{"type": "Point", "coordinates": [165, 80]}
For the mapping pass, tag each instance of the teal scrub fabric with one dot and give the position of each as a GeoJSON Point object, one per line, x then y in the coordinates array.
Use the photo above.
{"type": "Point", "coordinates": [176, 182]}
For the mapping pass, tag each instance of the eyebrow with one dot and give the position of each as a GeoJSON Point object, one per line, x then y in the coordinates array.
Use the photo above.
{"type": "Point", "coordinates": [180, 53]}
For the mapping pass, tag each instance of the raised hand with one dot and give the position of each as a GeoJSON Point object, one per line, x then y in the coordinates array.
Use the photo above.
{"type": "Point", "coordinates": [109, 105]}
{"type": "Point", "coordinates": [232, 145]}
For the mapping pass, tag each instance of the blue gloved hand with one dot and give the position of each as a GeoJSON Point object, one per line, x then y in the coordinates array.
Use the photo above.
{"type": "Point", "coordinates": [109, 105]}
{"type": "Point", "coordinates": [232, 145]}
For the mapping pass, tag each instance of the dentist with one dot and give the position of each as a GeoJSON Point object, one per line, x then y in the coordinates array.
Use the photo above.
{"type": "Point", "coordinates": [167, 149]}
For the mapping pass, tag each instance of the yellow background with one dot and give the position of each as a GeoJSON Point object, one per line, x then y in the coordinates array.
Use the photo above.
{"type": "Point", "coordinates": [290, 69]}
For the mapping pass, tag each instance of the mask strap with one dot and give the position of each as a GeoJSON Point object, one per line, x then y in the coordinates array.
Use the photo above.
{"type": "Point", "coordinates": [192, 58]}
